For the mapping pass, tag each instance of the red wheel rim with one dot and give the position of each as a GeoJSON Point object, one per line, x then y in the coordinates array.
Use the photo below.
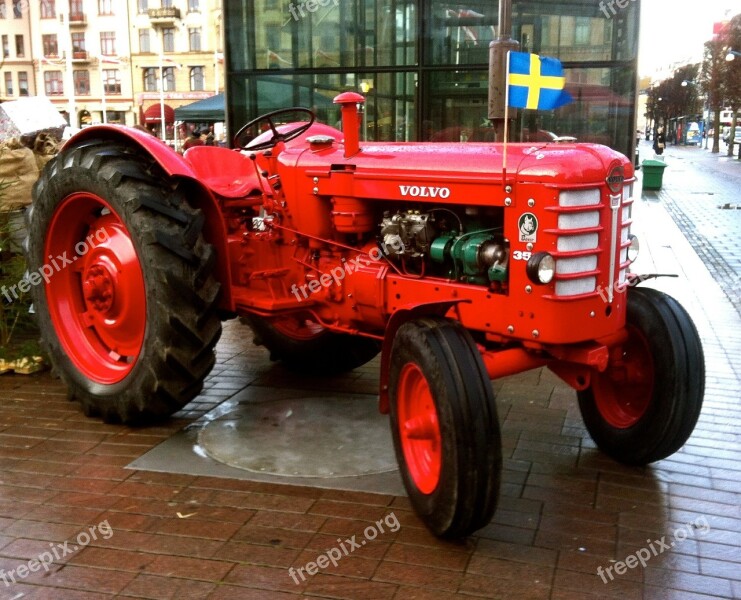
{"type": "Point", "coordinates": [623, 392]}
{"type": "Point", "coordinates": [96, 295]}
{"type": "Point", "coordinates": [419, 428]}
{"type": "Point", "coordinates": [298, 327]}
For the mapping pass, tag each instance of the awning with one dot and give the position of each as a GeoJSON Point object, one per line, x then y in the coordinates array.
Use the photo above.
{"type": "Point", "coordinates": [211, 109]}
{"type": "Point", "coordinates": [154, 113]}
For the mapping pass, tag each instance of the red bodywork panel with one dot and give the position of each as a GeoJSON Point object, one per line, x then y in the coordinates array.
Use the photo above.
{"type": "Point", "coordinates": [468, 175]}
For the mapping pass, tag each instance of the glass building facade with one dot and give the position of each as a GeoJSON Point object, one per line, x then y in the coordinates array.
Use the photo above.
{"type": "Point", "coordinates": [423, 64]}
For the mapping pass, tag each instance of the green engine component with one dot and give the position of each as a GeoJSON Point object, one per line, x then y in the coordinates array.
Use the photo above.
{"type": "Point", "coordinates": [474, 257]}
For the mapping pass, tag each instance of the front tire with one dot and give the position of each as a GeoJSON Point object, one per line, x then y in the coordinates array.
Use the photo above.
{"type": "Point", "coordinates": [128, 308]}
{"type": "Point", "coordinates": [645, 405]}
{"type": "Point", "coordinates": [444, 426]}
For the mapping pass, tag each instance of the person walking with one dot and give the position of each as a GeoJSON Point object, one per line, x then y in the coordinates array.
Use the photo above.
{"type": "Point", "coordinates": [194, 139]}
{"type": "Point", "coordinates": [659, 141]}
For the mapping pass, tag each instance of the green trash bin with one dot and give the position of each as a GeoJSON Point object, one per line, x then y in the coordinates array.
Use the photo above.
{"type": "Point", "coordinates": [653, 172]}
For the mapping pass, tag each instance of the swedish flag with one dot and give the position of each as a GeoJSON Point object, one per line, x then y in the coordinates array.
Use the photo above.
{"type": "Point", "coordinates": [536, 82]}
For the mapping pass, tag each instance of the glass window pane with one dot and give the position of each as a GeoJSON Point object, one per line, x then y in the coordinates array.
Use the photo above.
{"type": "Point", "coordinates": [572, 31]}
{"type": "Point", "coordinates": [144, 40]}
{"type": "Point", "coordinates": [197, 81]}
{"type": "Point", "coordinates": [344, 33]}
{"type": "Point", "coordinates": [457, 107]}
{"type": "Point", "coordinates": [460, 36]}
{"type": "Point", "coordinates": [23, 83]}
{"type": "Point", "coordinates": [389, 112]}
{"type": "Point", "coordinates": [168, 39]}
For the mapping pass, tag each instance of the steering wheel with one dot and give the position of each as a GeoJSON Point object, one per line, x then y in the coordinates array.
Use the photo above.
{"type": "Point", "coordinates": [253, 135]}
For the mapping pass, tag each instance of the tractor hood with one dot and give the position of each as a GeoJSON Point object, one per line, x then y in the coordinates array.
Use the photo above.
{"type": "Point", "coordinates": [438, 168]}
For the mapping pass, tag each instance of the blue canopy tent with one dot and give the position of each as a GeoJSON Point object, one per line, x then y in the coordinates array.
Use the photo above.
{"type": "Point", "coordinates": [209, 110]}
{"type": "Point", "coordinates": [271, 95]}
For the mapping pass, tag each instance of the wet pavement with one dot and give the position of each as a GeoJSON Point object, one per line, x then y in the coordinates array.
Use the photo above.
{"type": "Point", "coordinates": [566, 510]}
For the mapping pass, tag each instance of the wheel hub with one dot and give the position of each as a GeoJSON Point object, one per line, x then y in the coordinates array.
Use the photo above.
{"type": "Point", "coordinates": [97, 305]}
{"type": "Point", "coordinates": [419, 428]}
{"type": "Point", "coordinates": [623, 392]}
{"type": "Point", "coordinates": [98, 288]}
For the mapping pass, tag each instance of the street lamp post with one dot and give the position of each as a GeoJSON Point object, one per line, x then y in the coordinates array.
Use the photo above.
{"type": "Point", "coordinates": [732, 54]}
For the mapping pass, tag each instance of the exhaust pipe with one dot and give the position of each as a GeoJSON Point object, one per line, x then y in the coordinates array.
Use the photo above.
{"type": "Point", "coordinates": [350, 123]}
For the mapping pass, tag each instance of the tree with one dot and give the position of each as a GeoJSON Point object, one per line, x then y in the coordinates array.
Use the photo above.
{"type": "Point", "coordinates": [732, 75]}
{"type": "Point", "coordinates": [711, 81]}
{"type": "Point", "coordinates": [673, 98]}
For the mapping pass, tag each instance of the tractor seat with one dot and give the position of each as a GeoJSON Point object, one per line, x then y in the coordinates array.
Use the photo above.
{"type": "Point", "coordinates": [228, 173]}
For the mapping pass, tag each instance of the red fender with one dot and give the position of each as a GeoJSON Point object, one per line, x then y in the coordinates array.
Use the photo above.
{"type": "Point", "coordinates": [166, 157]}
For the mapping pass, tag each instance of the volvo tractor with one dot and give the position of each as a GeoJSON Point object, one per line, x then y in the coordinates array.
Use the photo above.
{"type": "Point", "coordinates": [458, 268]}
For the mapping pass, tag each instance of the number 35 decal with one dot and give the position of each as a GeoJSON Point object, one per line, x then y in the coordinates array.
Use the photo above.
{"type": "Point", "coordinates": [519, 255]}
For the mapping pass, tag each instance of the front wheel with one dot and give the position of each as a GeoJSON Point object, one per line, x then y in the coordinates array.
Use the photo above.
{"type": "Point", "coordinates": [444, 426]}
{"type": "Point", "coordinates": [645, 405]}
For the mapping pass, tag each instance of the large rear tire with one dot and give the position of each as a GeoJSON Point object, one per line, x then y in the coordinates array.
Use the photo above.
{"type": "Point", "coordinates": [128, 308]}
{"type": "Point", "coordinates": [444, 425]}
{"type": "Point", "coordinates": [645, 405]}
{"type": "Point", "coordinates": [304, 346]}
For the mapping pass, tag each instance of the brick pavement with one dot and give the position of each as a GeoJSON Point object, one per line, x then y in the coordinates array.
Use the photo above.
{"type": "Point", "coordinates": [565, 509]}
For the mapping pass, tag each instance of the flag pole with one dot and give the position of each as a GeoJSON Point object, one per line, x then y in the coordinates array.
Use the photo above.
{"type": "Point", "coordinates": [506, 119]}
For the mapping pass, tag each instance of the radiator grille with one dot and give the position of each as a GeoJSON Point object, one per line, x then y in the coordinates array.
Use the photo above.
{"type": "Point", "coordinates": [577, 242]}
{"type": "Point", "coordinates": [585, 217]}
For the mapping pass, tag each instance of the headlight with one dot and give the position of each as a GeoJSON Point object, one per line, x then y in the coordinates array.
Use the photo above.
{"type": "Point", "coordinates": [541, 267]}
{"type": "Point", "coordinates": [634, 247]}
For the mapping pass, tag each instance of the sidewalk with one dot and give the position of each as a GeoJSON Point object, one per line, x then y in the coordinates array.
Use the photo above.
{"type": "Point", "coordinates": [566, 510]}
{"type": "Point", "coordinates": [701, 192]}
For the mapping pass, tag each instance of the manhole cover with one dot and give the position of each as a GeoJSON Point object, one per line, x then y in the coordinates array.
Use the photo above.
{"type": "Point", "coordinates": [303, 437]}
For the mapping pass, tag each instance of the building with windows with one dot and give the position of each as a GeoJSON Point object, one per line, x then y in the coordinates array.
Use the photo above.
{"type": "Point", "coordinates": [17, 63]}
{"type": "Point", "coordinates": [178, 43]}
{"type": "Point", "coordinates": [423, 64]}
{"type": "Point", "coordinates": [80, 52]}
{"type": "Point", "coordinates": [104, 59]}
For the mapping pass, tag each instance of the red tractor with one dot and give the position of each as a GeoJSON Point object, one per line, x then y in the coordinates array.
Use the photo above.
{"type": "Point", "coordinates": [456, 267]}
